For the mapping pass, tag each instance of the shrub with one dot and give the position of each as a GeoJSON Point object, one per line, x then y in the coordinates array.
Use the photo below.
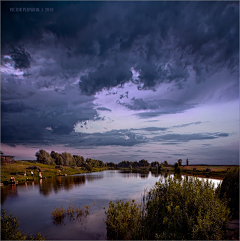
{"type": "Point", "coordinates": [174, 209]}
{"type": "Point", "coordinates": [185, 210]}
{"type": "Point", "coordinates": [123, 220]}
{"type": "Point", "coordinates": [58, 215]}
{"type": "Point", "coordinates": [230, 189]}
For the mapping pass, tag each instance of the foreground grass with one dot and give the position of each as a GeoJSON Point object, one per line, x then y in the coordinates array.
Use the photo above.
{"type": "Point", "coordinates": [19, 167]}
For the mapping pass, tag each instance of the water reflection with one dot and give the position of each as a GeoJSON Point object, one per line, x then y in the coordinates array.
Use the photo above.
{"type": "Point", "coordinates": [34, 201]}
{"type": "Point", "coordinates": [143, 174]}
{"type": "Point", "coordinates": [49, 185]}
{"type": "Point", "coordinates": [8, 191]}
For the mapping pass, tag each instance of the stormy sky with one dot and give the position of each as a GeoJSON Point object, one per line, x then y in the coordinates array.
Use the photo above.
{"type": "Point", "coordinates": [121, 80]}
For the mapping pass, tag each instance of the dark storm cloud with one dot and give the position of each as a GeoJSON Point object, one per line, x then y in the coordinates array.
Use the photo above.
{"type": "Point", "coordinates": [21, 58]}
{"type": "Point", "coordinates": [27, 120]}
{"type": "Point", "coordinates": [103, 108]}
{"type": "Point", "coordinates": [161, 40]}
{"type": "Point", "coordinates": [160, 107]}
{"type": "Point", "coordinates": [152, 129]}
{"type": "Point", "coordinates": [193, 123]}
{"type": "Point", "coordinates": [105, 77]}
{"type": "Point", "coordinates": [175, 138]}
{"type": "Point", "coordinates": [97, 44]}
{"type": "Point", "coordinates": [164, 105]}
{"type": "Point", "coordinates": [109, 138]}
{"type": "Point", "coordinates": [14, 107]}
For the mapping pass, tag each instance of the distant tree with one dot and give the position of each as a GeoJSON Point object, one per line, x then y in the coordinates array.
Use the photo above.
{"type": "Point", "coordinates": [111, 164]}
{"type": "Point", "coordinates": [44, 157]}
{"type": "Point", "coordinates": [101, 163]}
{"type": "Point", "coordinates": [165, 163]}
{"type": "Point", "coordinates": [124, 164]}
{"type": "Point", "coordinates": [187, 162]}
{"type": "Point", "coordinates": [180, 162]}
{"type": "Point", "coordinates": [134, 164]}
{"type": "Point", "coordinates": [53, 155]}
{"type": "Point", "coordinates": [59, 159]}
{"type": "Point", "coordinates": [130, 167]}
{"type": "Point", "coordinates": [79, 160]}
{"type": "Point", "coordinates": [143, 163]}
{"type": "Point", "coordinates": [89, 167]}
{"type": "Point", "coordinates": [176, 167]}
{"type": "Point", "coordinates": [154, 164]}
{"type": "Point", "coordinates": [160, 167]}
{"type": "Point", "coordinates": [67, 159]}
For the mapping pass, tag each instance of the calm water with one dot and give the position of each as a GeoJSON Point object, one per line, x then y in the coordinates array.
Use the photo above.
{"type": "Point", "coordinates": [33, 202]}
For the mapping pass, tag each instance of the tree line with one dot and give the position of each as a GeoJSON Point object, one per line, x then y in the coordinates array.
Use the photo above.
{"type": "Point", "coordinates": [66, 159]}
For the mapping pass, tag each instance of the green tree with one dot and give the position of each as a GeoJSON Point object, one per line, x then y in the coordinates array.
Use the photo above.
{"type": "Point", "coordinates": [111, 164]}
{"type": "Point", "coordinates": [176, 167]}
{"type": "Point", "coordinates": [10, 230]}
{"type": "Point", "coordinates": [160, 167]}
{"type": "Point", "coordinates": [143, 163]}
{"type": "Point", "coordinates": [80, 162]}
{"type": "Point", "coordinates": [67, 159]}
{"type": "Point", "coordinates": [59, 159]}
{"type": "Point", "coordinates": [187, 162]}
{"type": "Point", "coordinates": [230, 189]}
{"type": "Point", "coordinates": [101, 163]}
{"type": "Point", "coordinates": [165, 163]}
{"type": "Point", "coordinates": [89, 167]}
{"type": "Point", "coordinates": [185, 210]}
{"type": "Point", "coordinates": [180, 162]}
{"type": "Point", "coordinates": [44, 157]}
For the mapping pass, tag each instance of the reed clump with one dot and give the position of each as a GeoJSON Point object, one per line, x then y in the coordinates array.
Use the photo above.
{"type": "Point", "coordinates": [59, 214]}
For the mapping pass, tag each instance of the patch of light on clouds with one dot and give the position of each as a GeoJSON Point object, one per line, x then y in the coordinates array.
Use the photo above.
{"type": "Point", "coordinates": [126, 137]}
{"type": "Point", "coordinates": [82, 73]}
{"type": "Point", "coordinates": [8, 68]}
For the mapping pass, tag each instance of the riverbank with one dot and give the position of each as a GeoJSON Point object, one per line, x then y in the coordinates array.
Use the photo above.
{"type": "Point", "coordinates": [18, 168]}
{"type": "Point", "coordinates": [203, 171]}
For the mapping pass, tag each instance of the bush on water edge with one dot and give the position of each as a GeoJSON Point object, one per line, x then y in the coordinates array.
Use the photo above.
{"type": "Point", "coordinates": [230, 189]}
{"type": "Point", "coordinates": [172, 209]}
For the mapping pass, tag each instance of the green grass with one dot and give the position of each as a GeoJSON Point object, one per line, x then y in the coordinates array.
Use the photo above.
{"type": "Point", "coordinates": [20, 167]}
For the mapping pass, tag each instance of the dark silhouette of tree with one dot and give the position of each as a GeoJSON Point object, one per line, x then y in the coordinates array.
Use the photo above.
{"type": "Point", "coordinates": [180, 162]}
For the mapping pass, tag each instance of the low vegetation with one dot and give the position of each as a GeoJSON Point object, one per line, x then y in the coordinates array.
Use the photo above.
{"type": "Point", "coordinates": [173, 209]}
{"type": "Point", "coordinates": [59, 214]}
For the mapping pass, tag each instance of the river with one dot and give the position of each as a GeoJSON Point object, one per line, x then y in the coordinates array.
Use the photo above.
{"type": "Point", "coordinates": [34, 201]}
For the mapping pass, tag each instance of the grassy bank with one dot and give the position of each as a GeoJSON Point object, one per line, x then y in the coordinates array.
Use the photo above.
{"type": "Point", "coordinates": [18, 168]}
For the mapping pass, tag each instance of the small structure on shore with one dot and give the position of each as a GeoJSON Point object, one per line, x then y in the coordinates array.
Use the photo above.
{"type": "Point", "coordinates": [7, 159]}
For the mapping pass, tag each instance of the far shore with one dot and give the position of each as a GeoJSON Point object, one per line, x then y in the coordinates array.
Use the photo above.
{"type": "Point", "coordinates": [18, 168]}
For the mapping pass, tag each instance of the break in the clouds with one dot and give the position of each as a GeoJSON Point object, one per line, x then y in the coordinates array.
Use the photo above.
{"type": "Point", "coordinates": [127, 76]}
